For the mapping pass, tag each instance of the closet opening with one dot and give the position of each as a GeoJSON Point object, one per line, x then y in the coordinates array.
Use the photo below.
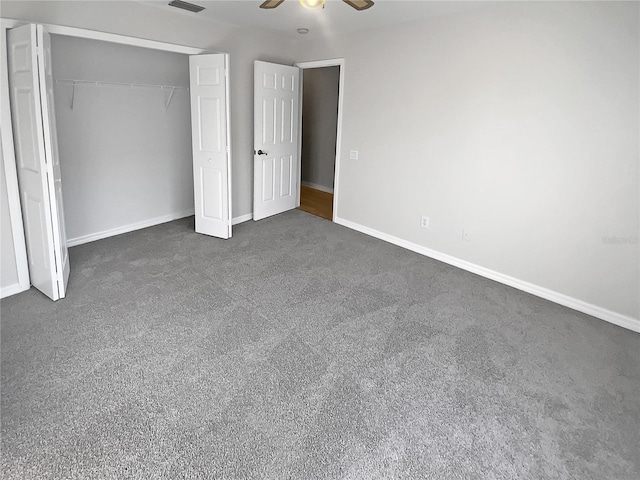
{"type": "Point", "coordinates": [124, 136]}
{"type": "Point", "coordinates": [320, 105]}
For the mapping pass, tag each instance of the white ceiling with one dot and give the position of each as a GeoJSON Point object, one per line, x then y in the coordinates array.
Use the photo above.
{"type": "Point", "coordinates": [335, 19]}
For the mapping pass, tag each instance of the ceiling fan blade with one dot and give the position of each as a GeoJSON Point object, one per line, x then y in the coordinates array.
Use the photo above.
{"type": "Point", "coordinates": [271, 3]}
{"type": "Point", "coordinates": [359, 4]}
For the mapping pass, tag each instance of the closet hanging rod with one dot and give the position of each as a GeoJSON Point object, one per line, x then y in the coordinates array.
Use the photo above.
{"type": "Point", "coordinates": [99, 82]}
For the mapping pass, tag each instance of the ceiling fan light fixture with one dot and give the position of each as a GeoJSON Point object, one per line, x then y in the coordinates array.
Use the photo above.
{"type": "Point", "coordinates": [312, 4]}
{"type": "Point", "coordinates": [319, 4]}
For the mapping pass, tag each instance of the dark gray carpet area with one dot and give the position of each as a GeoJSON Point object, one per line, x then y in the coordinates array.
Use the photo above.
{"type": "Point", "coordinates": [300, 349]}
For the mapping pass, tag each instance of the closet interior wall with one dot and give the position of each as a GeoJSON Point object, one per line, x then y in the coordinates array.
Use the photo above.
{"type": "Point", "coordinates": [124, 140]}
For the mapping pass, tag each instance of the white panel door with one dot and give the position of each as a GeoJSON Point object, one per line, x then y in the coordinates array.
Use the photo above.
{"type": "Point", "coordinates": [211, 159]}
{"type": "Point", "coordinates": [275, 177]}
{"type": "Point", "coordinates": [37, 162]}
{"type": "Point", "coordinates": [51, 151]}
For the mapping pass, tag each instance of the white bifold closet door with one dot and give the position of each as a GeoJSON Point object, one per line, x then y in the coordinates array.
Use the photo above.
{"type": "Point", "coordinates": [211, 155]}
{"type": "Point", "coordinates": [275, 142]}
{"type": "Point", "coordinates": [38, 166]}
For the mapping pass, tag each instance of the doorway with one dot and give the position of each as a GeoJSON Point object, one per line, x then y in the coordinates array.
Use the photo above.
{"type": "Point", "coordinates": [320, 136]}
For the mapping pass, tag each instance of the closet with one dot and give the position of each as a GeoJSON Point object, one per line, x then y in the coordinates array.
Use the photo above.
{"type": "Point", "coordinates": [136, 125]}
{"type": "Point", "coordinates": [124, 136]}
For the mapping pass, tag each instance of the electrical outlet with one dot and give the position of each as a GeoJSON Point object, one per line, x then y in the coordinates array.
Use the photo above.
{"type": "Point", "coordinates": [466, 236]}
{"type": "Point", "coordinates": [353, 155]}
{"type": "Point", "coordinates": [424, 221]}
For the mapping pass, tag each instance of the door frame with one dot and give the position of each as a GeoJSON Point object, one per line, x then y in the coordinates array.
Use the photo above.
{"type": "Point", "coordinates": [333, 62]}
{"type": "Point", "coordinates": [6, 132]}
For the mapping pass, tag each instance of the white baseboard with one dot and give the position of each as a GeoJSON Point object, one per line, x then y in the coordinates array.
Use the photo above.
{"type": "Point", "coordinates": [12, 289]}
{"type": "Point", "coordinates": [242, 219]}
{"type": "Point", "coordinates": [72, 242]}
{"type": "Point", "coordinates": [322, 188]}
{"type": "Point", "coordinates": [556, 297]}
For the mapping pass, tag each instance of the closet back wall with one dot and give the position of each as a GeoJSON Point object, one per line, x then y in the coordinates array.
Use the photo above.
{"type": "Point", "coordinates": [125, 160]}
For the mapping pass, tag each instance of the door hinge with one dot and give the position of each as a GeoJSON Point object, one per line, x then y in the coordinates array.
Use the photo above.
{"type": "Point", "coordinates": [227, 149]}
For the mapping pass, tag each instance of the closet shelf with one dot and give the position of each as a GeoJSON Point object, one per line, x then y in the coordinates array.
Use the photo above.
{"type": "Point", "coordinates": [99, 82]}
{"type": "Point", "coordinates": [172, 88]}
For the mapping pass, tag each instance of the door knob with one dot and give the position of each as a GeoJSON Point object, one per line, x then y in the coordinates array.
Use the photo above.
{"type": "Point", "coordinates": [260, 152]}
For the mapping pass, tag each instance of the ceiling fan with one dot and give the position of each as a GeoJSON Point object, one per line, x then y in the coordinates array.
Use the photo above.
{"type": "Point", "coordinates": [357, 4]}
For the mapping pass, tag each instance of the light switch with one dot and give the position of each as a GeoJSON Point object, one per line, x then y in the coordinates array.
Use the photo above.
{"type": "Point", "coordinates": [353, 155]}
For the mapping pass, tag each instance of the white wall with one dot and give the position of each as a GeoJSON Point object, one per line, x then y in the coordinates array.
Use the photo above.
{"type": "Point", "coordinates": [125, 160]}
{"type": "Point", "coordinates": [517, 122]}
{"type": "Point", "coordinates": [146, 21]}
{"type": "Point", "coordinates": [319, 125]}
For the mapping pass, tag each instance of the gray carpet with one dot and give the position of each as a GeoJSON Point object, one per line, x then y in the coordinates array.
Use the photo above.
{"type": "Point", "coordinates": [301, 349]}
